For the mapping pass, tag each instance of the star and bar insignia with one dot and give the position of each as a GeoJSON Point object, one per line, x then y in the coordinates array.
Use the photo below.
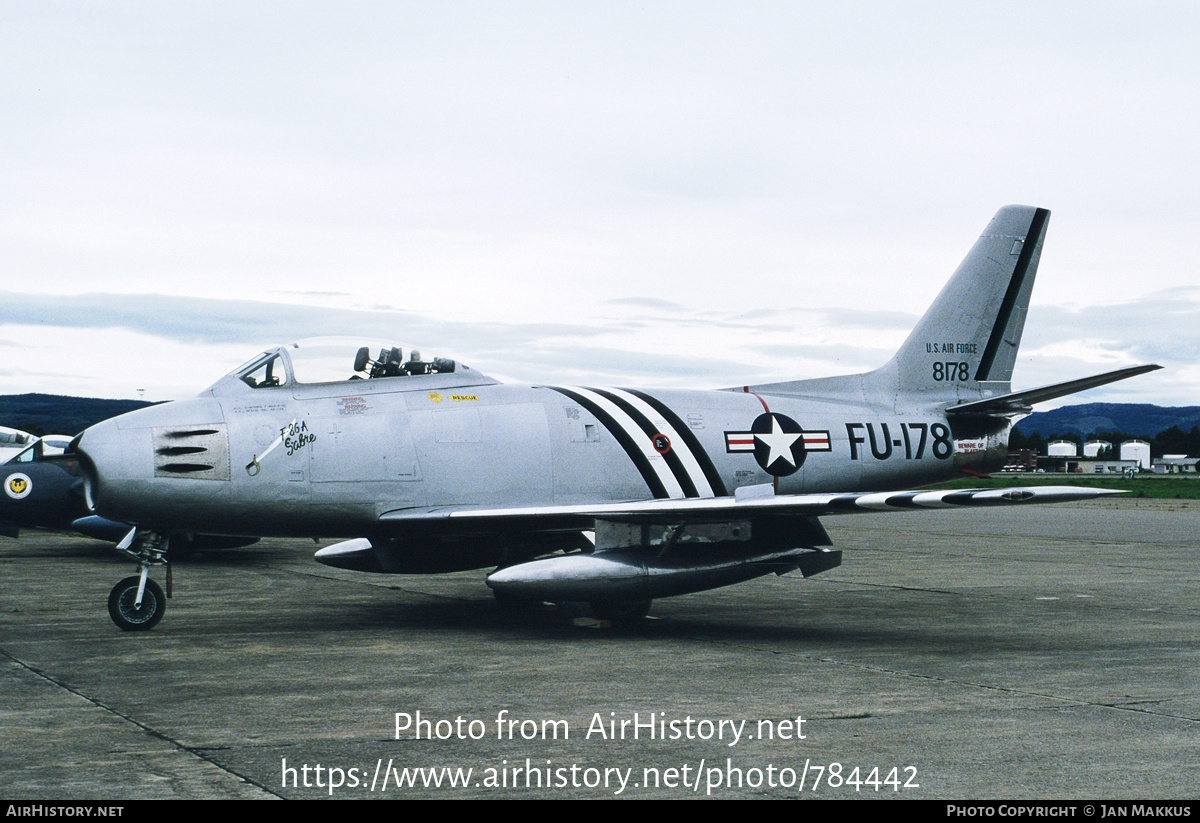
{"type": "Point", "coordinates": [778, 442]}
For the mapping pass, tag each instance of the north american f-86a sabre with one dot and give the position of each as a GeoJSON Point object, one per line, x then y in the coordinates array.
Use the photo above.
{"type": "Point", "coordinates": [613, 496]}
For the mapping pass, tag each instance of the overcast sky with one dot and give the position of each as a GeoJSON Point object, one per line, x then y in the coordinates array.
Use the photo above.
{"type": "Point", "coordinates": [639, 193]}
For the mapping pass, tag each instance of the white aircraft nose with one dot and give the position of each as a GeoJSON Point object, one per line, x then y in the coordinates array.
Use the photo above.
{"type": "Point", "coordinates": [125, 459]}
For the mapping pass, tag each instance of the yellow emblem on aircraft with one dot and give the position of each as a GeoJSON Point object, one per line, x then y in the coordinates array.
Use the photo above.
{"type": "Point", "coordinates": [18, 486]}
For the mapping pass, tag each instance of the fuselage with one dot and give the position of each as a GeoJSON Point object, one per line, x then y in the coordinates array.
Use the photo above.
{"type": "Point", "coordinates": [281, 457]}
{"type": "Point", "coordinates": [612, 495]}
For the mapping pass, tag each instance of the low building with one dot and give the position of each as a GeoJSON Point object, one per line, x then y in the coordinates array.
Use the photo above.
{"type": "Point", "coordinates": [1176, 464]}
{"type": "Point", "coordinates": [1085, 465]}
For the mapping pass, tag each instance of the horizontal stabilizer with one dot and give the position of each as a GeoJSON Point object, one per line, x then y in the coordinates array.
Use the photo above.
{"type": "Point", "coordinates": [1021, 402]}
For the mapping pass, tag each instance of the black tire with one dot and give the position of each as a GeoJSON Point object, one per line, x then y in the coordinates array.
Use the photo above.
{"type": "Point", "coordinates": [621, 612]}
{"type": "Point", "coordinates": [122, 611]}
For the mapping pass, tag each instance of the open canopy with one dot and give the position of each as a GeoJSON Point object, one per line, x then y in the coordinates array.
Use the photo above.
{"type": "Point", "coordinates": [333, 360]}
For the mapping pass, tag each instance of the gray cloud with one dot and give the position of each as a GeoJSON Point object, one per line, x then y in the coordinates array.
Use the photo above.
{"type": "Point", "coordinates": [1162, 327]}
{"type": "Point", "coordinates": [211, 320]}
{"type": "Point", "coordinates": [643, 349]}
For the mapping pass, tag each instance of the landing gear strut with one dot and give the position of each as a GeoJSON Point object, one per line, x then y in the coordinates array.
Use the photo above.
{"type": "Point", "coordinates": [137, 603]}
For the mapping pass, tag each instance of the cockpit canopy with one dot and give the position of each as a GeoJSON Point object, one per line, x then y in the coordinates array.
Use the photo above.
{"type": "Point", "coordinates": [52, 445]}
{"type": "Point", "coordinates": [336, 360]}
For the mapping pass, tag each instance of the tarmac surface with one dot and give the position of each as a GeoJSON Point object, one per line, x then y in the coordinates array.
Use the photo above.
{"type": "Point", "coordinates": [1051, 652]}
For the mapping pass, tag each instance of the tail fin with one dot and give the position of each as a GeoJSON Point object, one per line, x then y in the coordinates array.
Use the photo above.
{"type": "Point", "coordinates": [961, 354]}
{"type": "Point", "coordinates": [965, 346]}
{"type": "Point", "coordinates": [967, 341]}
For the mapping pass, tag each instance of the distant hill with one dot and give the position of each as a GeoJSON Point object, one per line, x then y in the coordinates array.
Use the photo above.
{"type": "Point", "coordinates": [56, 414]}
{"type": "Point", "coordinates": [1136, 418]}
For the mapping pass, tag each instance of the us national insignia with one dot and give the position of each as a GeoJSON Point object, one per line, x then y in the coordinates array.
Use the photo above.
{"type": "Point", "coordinates": [778, 442]}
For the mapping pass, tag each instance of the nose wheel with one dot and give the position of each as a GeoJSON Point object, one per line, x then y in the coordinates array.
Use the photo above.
{"type": "Point", "coordinates": [137, 603]}
{"type": "Point", "coordinates": [135, 606]}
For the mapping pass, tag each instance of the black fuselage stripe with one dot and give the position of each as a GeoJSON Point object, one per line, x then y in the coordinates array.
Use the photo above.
{"type": "Point", "coordinates": [692, 442]}
{"type": "Point", "coordinates": [672, 459]}
{"type": "Point", "coordinates": [623, 437]}
{"type": "Point", "coordinates": [1032, 237]}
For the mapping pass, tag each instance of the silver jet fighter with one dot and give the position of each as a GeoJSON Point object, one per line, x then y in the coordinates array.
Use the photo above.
{"type": "Point", "coordinates": [431, 466]}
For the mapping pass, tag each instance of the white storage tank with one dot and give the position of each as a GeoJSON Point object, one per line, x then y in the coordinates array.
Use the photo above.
{"type": "Point", "coordinates": [1092, 448]}
{"type": "Point", "coordinates": [1062, 448]}
{"type": "Point", "coordinates": [1138, 450]}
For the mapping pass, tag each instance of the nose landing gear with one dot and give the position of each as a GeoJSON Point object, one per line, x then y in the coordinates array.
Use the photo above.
{"type": "Point", "coordinates": [136, 606]}
{"type": "Point", "coordinates": [137, 603]}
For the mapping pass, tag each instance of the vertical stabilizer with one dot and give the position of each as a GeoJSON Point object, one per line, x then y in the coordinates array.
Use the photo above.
{"type": "Point", "coordinates": [966, 344]}
{"type": "Point", "coordinates": [964, 348]}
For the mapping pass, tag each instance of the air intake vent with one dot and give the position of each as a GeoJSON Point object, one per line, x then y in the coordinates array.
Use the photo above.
{"type": "Point", "coordinates": [208, 445]}
{"type": "Point", "coordinates": [185, 468]}
{"type": "Point", "coordinates": [175, 451]}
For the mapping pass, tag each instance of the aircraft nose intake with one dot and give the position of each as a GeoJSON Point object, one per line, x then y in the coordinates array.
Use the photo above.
{"type": "Point", "coordinates": [99, 449]}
